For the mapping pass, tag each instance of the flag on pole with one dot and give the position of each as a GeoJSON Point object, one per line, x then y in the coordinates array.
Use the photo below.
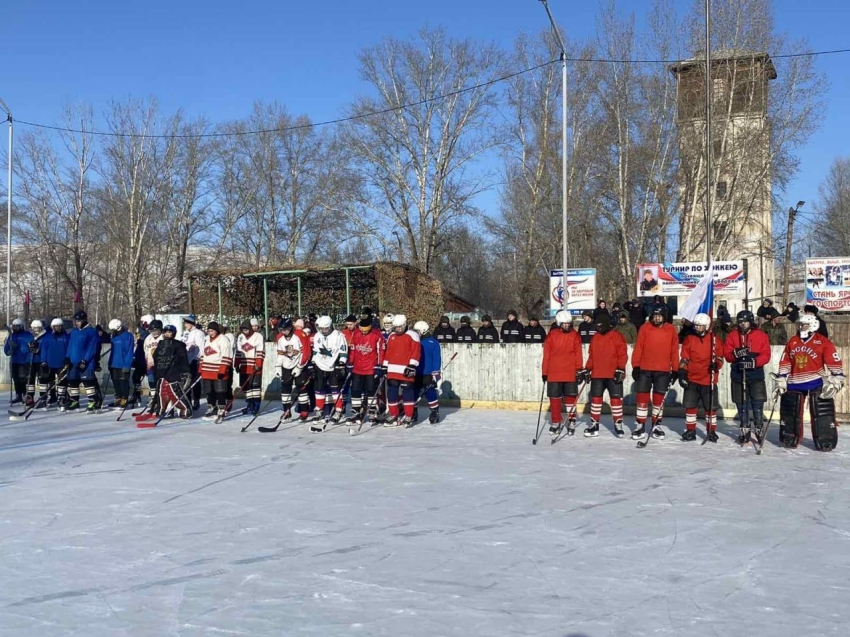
{"type": "Point", "coordinates": [78, 296]}
{"type": "Point", "coordinates": [701, 300]}
{"type": "Point", "coordinates": [27, 299]}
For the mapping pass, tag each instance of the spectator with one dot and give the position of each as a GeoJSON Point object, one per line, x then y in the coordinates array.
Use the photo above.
{"type": "Point", "coordinates": [722, 312]}
{"type": "Point", "coordinates": [813, 310]}
{"type": "Point", "coordinates": [533, 332]}
{"type": "Point", "coordinates": [487, 333]}
{"type": "Point", "coordinates": [445, 333]}
{"type": "Point", "coordinates": [601, 308]}
{"type": "Point", "coordinates": [686, 329]}
{"type": "Point", "coordinates": [774, 329]}
{"type": "Point", "coordinates": [722, 326]}
{"type": "Point", "coordinates": [637, 314]}
{"type": "Point", "coordinates": [765, 309]}
{"type": "Point", "coordinates": [616, 310]}
{"type": "Point", "coordinates": [791, 312]}
{"type": "Point", "coordinates": [587, 327]}
{"type": "Point", "coordinates": [512, 329]}
{"type": "Point", "coordinates": [465, 333]}
{"type": "Point", "coordinates": [626, 328]}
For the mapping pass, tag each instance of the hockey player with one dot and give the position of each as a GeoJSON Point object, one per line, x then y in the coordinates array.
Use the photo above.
{"type": "Point", "coordinates": [487, 333]}
{"type": "Point", "coordinates": [654, 362]}
{"type": "Point", "coordinates": [193, 337]}
{"type": "Point", "coordinates": [120, 361]}
{"type": "Point", "coordinates": [17, 347]}
{"type": "Point", "coordinates": [149, 347]}
{"type": "Point", "coordinates": [562, 359]}
{"type": "Point", "coordinates": [83, 345]}
{"type": "Point", "coordinates": [172, 372]}
{"type": "Point", "coordinates": [429, 372]}
{"type": "Point", "coordinates": [33, 371]}
{"type": "Point", "coordinates": [54, 350]}
{"type": "Point", "coordinates": [400, 365]}
{"type": "Point", "coordinates": [250, 355]}
{"type": "Point", "coordinates": [216, 367]}
{"type": "Point", "coordinates": [445, 333]}
{"type": "Point", "coordinates": [330, 357]}
{"type": "Point", "coordinates": [533, 332]}
{"type": "Point", "coordinates": [387, 326]}
{"type": "Point", "coordinates": [698, 376]}
{"type": "Point", "coordinates": [465, 333]}
{"type": "Point", "coordinates": [606, 371]}
{"type": "Point", "coordinates": [512, 329]}
{"type": "Point", "coordinates": [810, 368]}
{"type": "Point", "coordinates": [366, 358]}
{"type": "Point", "coordinates": [748, 349]}
{"type": "Point", "coordinates": [291, 359]}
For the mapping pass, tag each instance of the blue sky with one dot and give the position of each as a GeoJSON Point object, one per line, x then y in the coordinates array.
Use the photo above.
{"type": "Point", "coordinates": [217, 57]}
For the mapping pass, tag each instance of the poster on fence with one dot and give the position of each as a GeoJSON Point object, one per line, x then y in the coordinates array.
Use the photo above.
{"type": "Point", "coordinates": [580, 293]}
{"type": "Point", "coordinates": [680, 279]}
{"type": "Point", "coordinates": [828, 283]}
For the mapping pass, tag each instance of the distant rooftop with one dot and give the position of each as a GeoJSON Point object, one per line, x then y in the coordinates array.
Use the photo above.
{"type": "Point", "coordinates": [722, 56]}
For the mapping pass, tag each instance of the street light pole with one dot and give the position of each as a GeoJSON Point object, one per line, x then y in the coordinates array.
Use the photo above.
{"type": "Point", "coordinates": [792, 212]}
{"type": "Point", "coordinates": [9, 220]}
{"type": "Point", "coordinates": [564, 204]}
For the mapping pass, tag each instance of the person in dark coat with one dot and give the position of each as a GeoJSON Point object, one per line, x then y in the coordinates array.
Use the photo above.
{"type": "Point", "coordinates": [444, 332]}
{"type": "Point", "coordinates": [791, 312]}
{"type": "Point", "coordinates": [601, 308]}
{"type": "Point", "coordinates": [774, 329]}
{"type": "Point", "coordinates": [487, 333]}
{"type": "Point", "coordinates": [587, 327]}
{"type": "Point", "coordinates": [764, 310]}
{"type": "Point", "coordinates": [533, 332]}
{"type": "Point", "coordinates": [512, 329]}
{"type": "Point", "coordinates": [637, 314]}
{"type": "Point", "coordinates": [465, 333]}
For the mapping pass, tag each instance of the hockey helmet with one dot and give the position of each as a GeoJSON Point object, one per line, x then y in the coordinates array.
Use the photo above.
{"type": "Point", "coordinates": [324, 324]}
{"type": "Point", "coordinates": [658, 310]}
{"type": "Point", "coordinates": [168, 329]}
{"type": "Point", "coordinates": [57, 322]}
{"type": "Point", "coordinates": [82, 317]}
{"type": "Point", "coordinates": [399, 320]}
{"type": "Point", "coordinates": [603, 323]}
{"type": "Point", "coordinates": [745, 320]}
{"type": "Point", "coordinates": [387, 322]}
{"type": "Point", "coordinates": [285, 324]}
{"type": "Point", "coordinates": [145, 320]}
{"type": "Point", "coordinates": [563, 318]}
{"type": "Point", "coordinates": [115, 325]}
{"type": "Point", "coordinates": [156, 324]}
{"type": "Point", "coordinates": [37, 326]}
{"type": "Point", "coordinates": [703, 321]}
{"type": "Point", "coordinates": [807, 325]}
{"type": "Point", "coordinates": [421, 327]}
{"type": "Point", "coordinates": [17, 325]}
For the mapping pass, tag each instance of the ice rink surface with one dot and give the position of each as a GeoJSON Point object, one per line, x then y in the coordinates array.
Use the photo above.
{"type": "Point", "coordinates": [461, 528]}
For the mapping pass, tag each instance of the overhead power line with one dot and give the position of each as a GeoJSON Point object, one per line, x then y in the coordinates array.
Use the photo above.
{"type": "Point", "coordinates": [392, 109]}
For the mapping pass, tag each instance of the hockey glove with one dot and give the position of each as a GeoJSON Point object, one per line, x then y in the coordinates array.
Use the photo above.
{"type": "Point", "coordinates": [780, 385]}
{"type": "Point", "coordinates": [296, 372]}
{"type": "Point", "coordinates": [409, 371]}
{"type": "Point", "coordinates": [82, 366]}
{"type": "Point", "coordinates": [741, 352]}
{"type": "Point", "coordinates": [33, 347]}
{"type": "Point", "coordinates": [683, 378]}
{"type": "Point", "coordinates": [619, 376]}
{"type": "Point", "coordinates": [185, 381]}
{"type": "Point", "coordinates": [544, 377]}
{"type": "Point", "coordinates": [45, 370]}
{"type": "Point", "coordinates": [221, 376]}
{"type": "Point", "coordinates": [746, 364]}
{"type": "Point", "coordinates": [673, 378]}
{"type": "Point", "coordinates": [379, 371]}
{"type": "Point", "coordinates": [635, 373]}
{"type": "Point", "coordinates": [258, 366]}
{"type": "Point", "coordinates": [339, 367]}
{"type": "Point", "coordinates": [831, 386]}
{"type": "Point", "coordinates": [436, 377]}
{"type": "Point", "coordinates": [582, 376]}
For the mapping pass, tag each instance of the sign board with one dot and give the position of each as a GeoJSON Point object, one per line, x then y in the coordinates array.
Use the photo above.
{"type": "Point", "coordinates": [581, 290]}
{"type": "Point", "coordinates": [828, 283]}
{"type": "Point", "coordinates": [680, 279]}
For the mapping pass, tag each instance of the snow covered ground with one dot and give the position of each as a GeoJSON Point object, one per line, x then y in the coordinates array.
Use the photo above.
{"type": "Point", "coordinates": [461, 528]}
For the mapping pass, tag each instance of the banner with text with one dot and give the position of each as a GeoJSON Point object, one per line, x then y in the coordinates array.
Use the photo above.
{"type": "Point", "coordinates": [828, 283]}
{"type": "Point", "coordinates": [680, 279]}
{"type": "Point", "coordinates": [581, 289]}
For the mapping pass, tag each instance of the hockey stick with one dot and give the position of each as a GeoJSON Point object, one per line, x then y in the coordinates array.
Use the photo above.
{"type": "Point", "coordinates": [240, 390]}
{"type": "Point", "coordinates": [153, 403]}
{"type": "Point", "coordinates": [656, 418]}
{"type": "Point", "coordinates": [539, 415]}
{"type": "Point", "coordinates": [571, 414]}
{"type": "Point", "coordinates": [296, 390]}
{"type": "Point", "coordinates": [336, 405]}
{"type": "Point", "coordinates": [28, 411]}
{"type": "Point", "coordinates": [763, 435]}
{"type": "Point", "coordinates": [166, 412]}
{"type": "Point", "coordinates": [259, 412]}
{"type": "Point", "coordinates": [373, 400]}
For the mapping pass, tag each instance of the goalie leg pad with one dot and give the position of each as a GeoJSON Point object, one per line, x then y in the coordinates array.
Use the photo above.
{"type": "Point", "coordinates": [791, 418]}
{"type": "Point", "coordinates": [824, 428]}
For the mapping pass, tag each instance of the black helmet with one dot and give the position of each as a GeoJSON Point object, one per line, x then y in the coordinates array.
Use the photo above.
{"type": "Point", "coordinates": [745, 316]}
{"type": "Point", "coordinates": [285, 324]}
{"type": "Point", "coordinates": [155, 324]}
{"type": "Point", "coordinates": [81, 316]}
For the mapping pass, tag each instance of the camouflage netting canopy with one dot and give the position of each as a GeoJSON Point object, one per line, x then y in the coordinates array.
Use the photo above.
{"type": "Point", "coordinates": [383, 286]}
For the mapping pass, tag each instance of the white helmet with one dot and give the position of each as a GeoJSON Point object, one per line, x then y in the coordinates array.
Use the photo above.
{"type": "Point", "coordinates": [399, 320]}
{"type": "Point", "coordinates": [702, 320]}
{"type": "Point", "coordinates": [324, 323]}
{"type": "Point", "coordinates": [57, 322]}
{"type": "Point", "coordinates": [146, 319]}
{"type": "Point", "coordinates": [807, 325]}
{"type": "Point", "coordinates": [37, 326]}
{"type": "Point", "coordinates": [17, 323]}
{"type": "Point", "coordinates": [563, 317]}
{"type": "Point", "coordinates": [388, 320]}
{"type": "Point", "coordinates": [421, 327]}
{"type": "Point", "coordinates": [115, 325]}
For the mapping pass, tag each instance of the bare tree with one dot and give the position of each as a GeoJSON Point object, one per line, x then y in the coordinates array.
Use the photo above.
{"type": "Point", "coordinates": [832, 228]}
{"type": "Point", "coordinates": [429, 125]}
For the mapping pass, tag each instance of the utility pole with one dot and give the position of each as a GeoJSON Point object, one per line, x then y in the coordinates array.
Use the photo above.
{"type": "Point", "coordinates": [9, 221]}
{"type": "Point", "coordinates": [792, 212]}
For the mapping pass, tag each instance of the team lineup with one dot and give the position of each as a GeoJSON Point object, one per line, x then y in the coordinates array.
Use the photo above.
{"type": "Point", "coordinates": [384, 374]}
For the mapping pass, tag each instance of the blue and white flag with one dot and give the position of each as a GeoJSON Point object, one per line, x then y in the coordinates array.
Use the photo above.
{"type": "Point", "coordinates": [701, 300]}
